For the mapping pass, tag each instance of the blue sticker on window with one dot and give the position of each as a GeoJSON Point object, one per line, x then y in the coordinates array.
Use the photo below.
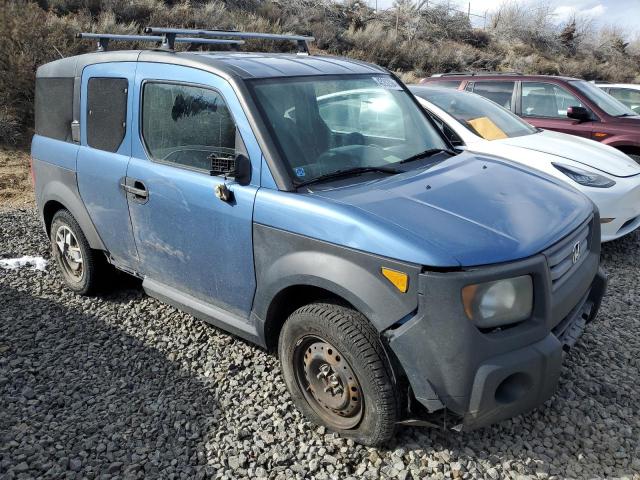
{"type": "Point", "coordinates": [300, 172]}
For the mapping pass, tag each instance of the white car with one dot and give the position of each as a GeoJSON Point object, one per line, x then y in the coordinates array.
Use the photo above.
{"type": "Point", "coordinates": [607, 176]}
{"type": "Point", "coordinates": [627, 93]}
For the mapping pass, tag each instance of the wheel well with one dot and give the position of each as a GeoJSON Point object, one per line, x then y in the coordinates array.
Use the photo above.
{"type": "Point", "coordinates": [49, 210]}
{"type": "Point", "coordinates": [288, 301]}
{"type": "Point", "coordinates": [629, 149]}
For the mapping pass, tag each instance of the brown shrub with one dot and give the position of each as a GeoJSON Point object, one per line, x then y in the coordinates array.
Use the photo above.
{"type": "Point", "coordinates": [412, 39]}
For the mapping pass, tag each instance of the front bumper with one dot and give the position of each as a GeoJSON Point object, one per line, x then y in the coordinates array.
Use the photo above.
{"type": "Point", "coordinates": [484, 377]}
{"type": "Point", "coordinates": [621, 203]}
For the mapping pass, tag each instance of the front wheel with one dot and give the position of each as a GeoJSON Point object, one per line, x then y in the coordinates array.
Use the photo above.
{"type": "Point", "coordinates": [337, 372]}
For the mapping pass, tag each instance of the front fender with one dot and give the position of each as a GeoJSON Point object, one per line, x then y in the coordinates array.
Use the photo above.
{"type": "Point", "coordinates": [284, 259]}
{"type": "Point", "coordinates": [618, 141]}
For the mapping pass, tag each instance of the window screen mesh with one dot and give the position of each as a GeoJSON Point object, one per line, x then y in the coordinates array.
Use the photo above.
{"type": "Point", "coordinates": [54, 107]}
{"type": "Point", "coordinates": [106, 112]}
{"type": "Point", "coordinates": [186, 125]}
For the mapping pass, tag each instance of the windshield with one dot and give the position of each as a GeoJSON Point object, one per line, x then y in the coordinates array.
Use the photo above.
{"type": "Point", "coordinates": [483, 117]}
{"type": "Point", "coordinates": [327, 124]}
{"type": "Point", "coordinates": [601, 98]}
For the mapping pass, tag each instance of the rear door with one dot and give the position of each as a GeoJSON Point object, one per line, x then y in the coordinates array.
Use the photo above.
{"type": "Point", "coordinates": [545, 105]}
{"type": "Point", "coordinates": [187, 238]}
{"type": "Point", "coordinates": [105, 149]}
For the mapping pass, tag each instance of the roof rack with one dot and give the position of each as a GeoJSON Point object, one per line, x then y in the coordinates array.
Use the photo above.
{"type": "Point", "coordinates": [473, 74]}
{"type": "Point", "coordinates": [103, 40]}
{"type": "Point", "coordinates": [170, 36]}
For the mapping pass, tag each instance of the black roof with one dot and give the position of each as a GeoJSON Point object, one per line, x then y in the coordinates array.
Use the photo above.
{"type": "Point", "coordinates": [232, 64]}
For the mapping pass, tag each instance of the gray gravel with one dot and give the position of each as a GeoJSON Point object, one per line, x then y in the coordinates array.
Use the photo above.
{"type": "Point", "coordinates": [122, 385]}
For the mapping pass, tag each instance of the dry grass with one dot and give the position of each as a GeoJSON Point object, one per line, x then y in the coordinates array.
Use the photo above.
{"type": "Point", "coordinates": [15, 183]}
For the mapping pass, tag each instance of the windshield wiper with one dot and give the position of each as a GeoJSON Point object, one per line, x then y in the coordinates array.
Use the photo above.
{"type": "Point", "coordinates": [426, 154]}
{"type": "Point", "coordinates": [627, 115]}
{"type": "Point", "coordinates": [347, 172]}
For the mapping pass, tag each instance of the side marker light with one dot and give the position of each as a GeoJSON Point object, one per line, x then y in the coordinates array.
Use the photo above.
{"type": "Point", "coordinates": [400, 280]}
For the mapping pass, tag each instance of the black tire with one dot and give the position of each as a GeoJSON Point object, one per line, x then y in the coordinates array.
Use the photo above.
{"type": "Point", "coordinates": [86, 281]}
{"type": "Point", "coordinates": [359, 351]}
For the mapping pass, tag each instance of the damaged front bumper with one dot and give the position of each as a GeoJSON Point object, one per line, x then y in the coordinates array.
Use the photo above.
{"type": "Point", "coordinates": [483, 377]}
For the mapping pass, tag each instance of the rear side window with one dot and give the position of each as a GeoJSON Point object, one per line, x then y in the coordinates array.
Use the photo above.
{"type": "Point", "coordinates": [186, 125]}
{"type": "Point", "coordinates": [54, 107]}
{"type": "Point", "coordinates": [106, 112]}
{"type": "Point", "coordinates": [499, 92]}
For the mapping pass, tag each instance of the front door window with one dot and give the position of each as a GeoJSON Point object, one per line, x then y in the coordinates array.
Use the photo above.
{"type": "Point", "coordinates": [546, 100]}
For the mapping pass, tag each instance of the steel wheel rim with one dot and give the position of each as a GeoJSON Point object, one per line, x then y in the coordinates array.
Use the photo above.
{"type": "Point", "coordinates": [69, 253]}
{"type": "Point", "coordinates": [328, 383]}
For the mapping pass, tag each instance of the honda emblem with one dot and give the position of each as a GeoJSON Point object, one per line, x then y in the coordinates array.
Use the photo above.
{"type": "Point", "coordinates": [576, 253]}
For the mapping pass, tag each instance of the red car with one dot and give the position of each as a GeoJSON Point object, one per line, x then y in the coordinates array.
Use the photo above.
{"type": "Point", "coordinates": [563, 104]}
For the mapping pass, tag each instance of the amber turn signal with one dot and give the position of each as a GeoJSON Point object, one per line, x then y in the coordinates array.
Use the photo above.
{"type": "Point", "coordinates": [400, 280]}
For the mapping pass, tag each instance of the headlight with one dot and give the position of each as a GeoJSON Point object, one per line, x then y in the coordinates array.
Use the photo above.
{"type": "Point", "coordinates": [502, 302]}
{"type": "Point", "coordinates": [588, 179]}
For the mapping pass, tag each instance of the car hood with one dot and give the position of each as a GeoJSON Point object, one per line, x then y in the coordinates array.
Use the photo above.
{"type": "Point", "coordinates": [633, 121]}
{"type": "Point", "coordinates": [582, 150]}
{"type": "Point", "coordinates": [478, 209]}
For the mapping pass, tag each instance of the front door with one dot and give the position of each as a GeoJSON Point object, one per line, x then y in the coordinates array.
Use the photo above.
{"type": "Point", "coordinates": [545, 105]}
{"type": "Point", "coordinates": [105, 148]}
{"type": "Point", "coordinates": [187, 238]}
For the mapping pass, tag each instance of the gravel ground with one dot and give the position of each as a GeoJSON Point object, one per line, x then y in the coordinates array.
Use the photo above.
{"type": "Point", "coordinates": [122, 385]}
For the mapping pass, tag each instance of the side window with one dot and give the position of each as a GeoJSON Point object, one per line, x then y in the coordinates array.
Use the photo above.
{"type": "Point", "coordinates": [186, 125]}
{"type": "Point", "coordinates": [499, 92]}
{"type": "Point", "coordinates": [631, 98]}
{"type": "Point", "coordinates": [54, 107]}
{"type": "Point", "coordinates": [546, 100]}
{"type": "Point", "coordinates": [374, 114]}
{"type": "Point", "coordinates": [106, 112]}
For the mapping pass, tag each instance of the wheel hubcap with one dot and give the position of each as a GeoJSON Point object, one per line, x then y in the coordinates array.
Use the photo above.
{"type": "Point", "coordinates": [70, 254]}
{"type": "Point", "coordinates": [328, 382]}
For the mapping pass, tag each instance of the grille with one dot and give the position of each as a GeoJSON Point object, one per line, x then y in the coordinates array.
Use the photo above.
{"type": "Point", "coordinates": [561, 259]}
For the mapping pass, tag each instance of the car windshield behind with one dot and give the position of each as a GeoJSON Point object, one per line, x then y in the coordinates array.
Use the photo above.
{"type": "Point", "coordinates": [328, 124]}
{"type": "Point", "coordinates": [601, 98]}
{"type": "Point", "coordinates": [483, 117]}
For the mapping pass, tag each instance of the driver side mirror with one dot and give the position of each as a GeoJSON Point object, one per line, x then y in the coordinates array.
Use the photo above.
{"type": "Point", "coordinates": [238, 167]}
{"type": "Point", "coordinates": [579, 113]}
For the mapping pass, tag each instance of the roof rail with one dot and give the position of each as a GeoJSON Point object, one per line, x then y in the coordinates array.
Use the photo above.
{"type": "Point", "coordinates": [473, 74]}
{"type": "Point", "coordinates": [170, 36]}
{"type": "Point", "coordinates": [103, 40]}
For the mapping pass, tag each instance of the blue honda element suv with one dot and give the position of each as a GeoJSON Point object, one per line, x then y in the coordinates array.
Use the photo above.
{"type": "Point", "coordinates": [309, 205]}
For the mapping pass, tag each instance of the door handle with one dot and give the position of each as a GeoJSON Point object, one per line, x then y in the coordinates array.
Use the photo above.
{"type": "Point", "coordinates": [139, 191]}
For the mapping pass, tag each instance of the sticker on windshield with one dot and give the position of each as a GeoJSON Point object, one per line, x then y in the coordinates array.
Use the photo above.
{"type": "Point", "coordinates": [387, 82]}
{"type": "Point", "coordinates": [300, 172]}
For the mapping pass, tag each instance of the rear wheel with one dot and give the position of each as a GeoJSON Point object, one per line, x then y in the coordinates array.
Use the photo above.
{"type": "Point", "coordinates": [337, 372]}
{"type": "Point", "coordinates": [77, 262]}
